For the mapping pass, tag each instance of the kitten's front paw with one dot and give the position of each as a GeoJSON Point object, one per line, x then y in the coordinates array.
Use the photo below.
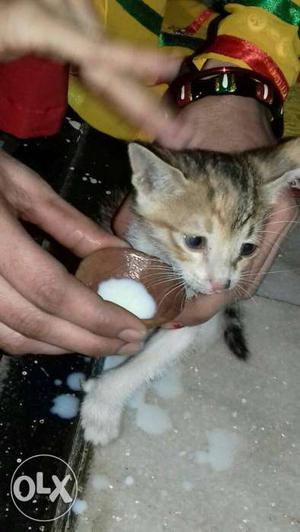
{"type": "Point", "coordinates": [100, 417]}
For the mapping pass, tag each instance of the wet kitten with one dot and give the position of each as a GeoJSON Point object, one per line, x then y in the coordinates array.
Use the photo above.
{"type": "Point", "coordinates": [202, 213]}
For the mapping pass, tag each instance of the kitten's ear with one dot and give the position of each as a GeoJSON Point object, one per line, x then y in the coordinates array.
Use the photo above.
{"type": "Point", "coordinates": [279, 167]}
{"type": "Point", "coordinates": [150, 173]}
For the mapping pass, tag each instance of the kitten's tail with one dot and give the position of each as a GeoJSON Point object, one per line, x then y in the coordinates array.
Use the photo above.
{"type": "Point", "coordinates": [234, 334]}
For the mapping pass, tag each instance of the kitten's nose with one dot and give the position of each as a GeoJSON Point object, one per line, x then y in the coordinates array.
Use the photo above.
{"type": "Point", "coordinates": [218, 286]}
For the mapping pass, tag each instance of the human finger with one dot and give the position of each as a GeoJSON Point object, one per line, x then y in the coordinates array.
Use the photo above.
{"type": "Point", "coordinates": [46, 284]}
{"type": "Point", "coordinates": [198, 310]}
{"type": "Point", "coordinates": [31, 322]}
{"type": "Point", "coordinates": [152, 66]}
{"type": "Point", "coordinates": [14, 343]}
{"type": "Point", "coordinates": [30, 28]}
{"type": "Point", "coordinates": [80, 11]}
{"type": "Point", "coordinates": [132, 101]}
{"type": "Point", "coordinates": [35, 201]}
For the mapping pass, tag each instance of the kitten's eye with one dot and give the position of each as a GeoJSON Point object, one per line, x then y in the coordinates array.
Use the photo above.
{"type": "Point", "coordinates": [247, 249]}
{"type": "Point", "coordinates": [194, 241]}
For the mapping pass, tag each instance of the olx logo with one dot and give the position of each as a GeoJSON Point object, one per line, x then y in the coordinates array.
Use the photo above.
{"type": "Point", "coordinates": [41, 484]}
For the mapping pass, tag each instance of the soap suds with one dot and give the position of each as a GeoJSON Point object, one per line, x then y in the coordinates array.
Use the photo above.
{"type": "Point", "coordinates": [130, 295]}
{"type": "Point", "coordinates": [75, 380]}
{"type": "Point", "coordinates": [65, 406]}
{"type": "Point", "coordinates": [222, 446]}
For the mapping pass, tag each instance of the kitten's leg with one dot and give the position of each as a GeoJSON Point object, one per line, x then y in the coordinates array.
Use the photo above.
{"type": "Point", "coordinates": [102, 408]}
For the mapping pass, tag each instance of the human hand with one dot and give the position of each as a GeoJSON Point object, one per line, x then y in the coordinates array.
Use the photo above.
{"type": "Point", "coordinates": [238, 126]}
{"type": "Point", "coordinates": [69, 30]}
{"type": "Point", "coordinates": [44, 309]}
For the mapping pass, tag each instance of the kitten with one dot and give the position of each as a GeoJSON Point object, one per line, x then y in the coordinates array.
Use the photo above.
{"type": "Point", "coordinates": [202, 213]}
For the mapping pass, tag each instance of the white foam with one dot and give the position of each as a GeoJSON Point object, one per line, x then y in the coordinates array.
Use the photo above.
{"type": "Point", "coordinates": [75, 380]}
{"type": "Point", "coordinates": [65, 406]}
{"type": "Point", "coordinates": [58, 382]}
{"type": "Point", "coordinates": [79, 506]}
{"type": "Point", "coordinates": [222, 446]}
{"type": "Point", "coordinates": [100, 482]}
{"type": "Point", "coordinates": [129, 294]}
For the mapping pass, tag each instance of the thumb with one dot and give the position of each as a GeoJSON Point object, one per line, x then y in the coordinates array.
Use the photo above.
{"type": "Point", "coordinates": [35, 201]}
{"type": "Point", "coordinates": [72, 229]}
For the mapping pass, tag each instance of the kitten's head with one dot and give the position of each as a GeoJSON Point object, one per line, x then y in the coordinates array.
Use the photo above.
{"type": "Point", "coordinates": [204, 212]}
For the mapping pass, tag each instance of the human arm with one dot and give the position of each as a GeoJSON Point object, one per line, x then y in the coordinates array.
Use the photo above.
{"type": "Point", "coordinates": [70, 32]}
{"type": "Point", "coordinates": [238, 124]}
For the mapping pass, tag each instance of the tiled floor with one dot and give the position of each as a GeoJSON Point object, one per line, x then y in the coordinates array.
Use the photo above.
{"type": "Point", "coordinates": [228, 454]}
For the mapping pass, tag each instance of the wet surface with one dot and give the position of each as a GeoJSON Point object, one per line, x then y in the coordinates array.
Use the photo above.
{"type": "Point", "coordinates": [80, 164]}
{"type": "Point", "coordinates": [213, 447]}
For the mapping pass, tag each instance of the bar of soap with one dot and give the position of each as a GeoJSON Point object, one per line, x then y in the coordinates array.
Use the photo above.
{"type": "Point", "coordinates": [129, 294]}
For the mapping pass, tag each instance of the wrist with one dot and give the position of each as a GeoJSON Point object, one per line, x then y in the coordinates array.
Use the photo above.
{"type": "Point", "coordinates": [213, 63]}
{"type": "Point", "coordinates": [228, 124]}
{"type": "Point", "coordinates": [225, 123]}
{"type": "Point", "coordinates": [239, 116]}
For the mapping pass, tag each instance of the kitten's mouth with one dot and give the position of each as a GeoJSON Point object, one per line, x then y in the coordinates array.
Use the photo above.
{"type": "Point", "coordinates": [219, 291]}
{"type": "Point", "coordinates": [193, 291]}
{"type": "Point", "coordinates": [211, 292]}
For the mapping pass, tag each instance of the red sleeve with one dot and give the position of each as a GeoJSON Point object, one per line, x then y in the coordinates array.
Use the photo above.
{"type": "Point", "coordinates": [33, 96]}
